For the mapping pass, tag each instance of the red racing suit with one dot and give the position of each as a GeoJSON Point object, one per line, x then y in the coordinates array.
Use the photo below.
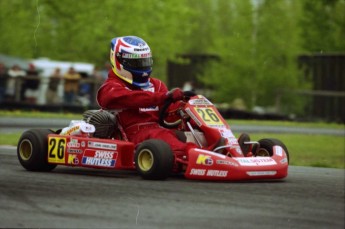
{"type": "Point", "coordinates": [138, 110]}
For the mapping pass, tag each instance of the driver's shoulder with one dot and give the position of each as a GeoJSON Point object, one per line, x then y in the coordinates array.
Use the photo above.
{"type": "Point", "coordinates": [158, 84]}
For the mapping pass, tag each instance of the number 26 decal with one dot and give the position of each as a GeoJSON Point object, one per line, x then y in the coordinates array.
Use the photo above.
{"type": "Point", "coordinates": [56, 150]}
{"type": "Point", "coordinates": [209, 116]}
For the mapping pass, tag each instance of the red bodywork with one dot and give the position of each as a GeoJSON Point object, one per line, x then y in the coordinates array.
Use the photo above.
{"type": "Point", "coordinates": [206, 165]}
{"type": "Point", "coordinates": [199, 164]}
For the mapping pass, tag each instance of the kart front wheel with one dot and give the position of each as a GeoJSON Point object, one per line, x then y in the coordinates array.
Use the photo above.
{"type": "Point", "coordinates": [154, 159]}
{"type": "Point", "coordinates": [32, 150]}
{"type": "Point", "coordinates": [266, 147]}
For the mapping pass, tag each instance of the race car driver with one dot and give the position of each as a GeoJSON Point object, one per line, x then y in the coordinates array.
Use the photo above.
{"type": "Point", "coordinates": [137, 96]}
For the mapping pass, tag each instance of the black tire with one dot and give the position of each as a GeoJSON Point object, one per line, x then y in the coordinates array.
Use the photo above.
{"type": "Point", "coordinates": [32, 150]}
{"type": "Point", "coordinates": [154, 159]}
{"type": "Point", "coordinates": [267, 145]}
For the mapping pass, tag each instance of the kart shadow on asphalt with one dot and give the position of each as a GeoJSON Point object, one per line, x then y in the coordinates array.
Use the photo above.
{"type": "Point", "coordinates": [130, 174]}
{"type": "Point", "coordinates": [96, 172]}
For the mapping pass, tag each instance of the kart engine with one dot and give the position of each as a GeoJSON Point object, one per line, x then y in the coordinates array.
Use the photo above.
{"type": "Point", "coordinates": [104, 122]}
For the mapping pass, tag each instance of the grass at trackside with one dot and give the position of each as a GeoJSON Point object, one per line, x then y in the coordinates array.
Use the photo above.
{"type": "Point", "coordinates": [304, 149]}
{"type": "Point", "coordinates": [287, 124]}
{"type": "Point", "coordinates": [9, 139]}
{"type": "Point", "coordinates": [39, 114]}
{"type": "Point", "coordinates": [311, 150]}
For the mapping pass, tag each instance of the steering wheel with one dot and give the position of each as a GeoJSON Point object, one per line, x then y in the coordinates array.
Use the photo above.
{"type": "Point", "coordinates": [163, 112]}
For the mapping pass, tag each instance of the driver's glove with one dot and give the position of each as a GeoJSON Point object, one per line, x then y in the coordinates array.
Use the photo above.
{"type": "Point", "coordinates": [175, 94]}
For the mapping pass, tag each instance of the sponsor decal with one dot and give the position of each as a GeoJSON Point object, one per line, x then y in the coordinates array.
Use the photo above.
{"type": "Point", "coordinates": [198, 172]}
{"type": "Point", "coordinates": [141, 49]}
{"type": "Point", "coordinates": [255, 161]}
{"type": "Point", "coordinates": [87, 128]}
{"type": "Point", "coordinates": [191, 114]}
{"type": "Point", "coordinates": [82, 144]}
{"type": "Point", "coordinates": [146, 55]}
{"type": "Point", "coordinates": [104, 154]}
{"type": "Point", "coordinates": [73, 159]}
{"type": "Point", "coordinates": [233, 141]}
{"type": "Point", "coordinates": [216, 126]}
{"type": "Point", "coordinates": [98, 162]}
{"type": "Point", "coordinates": [72, 130]}
{"type": "Point", "coordinates": [217, 173]}
{"type": "Point", "coordinates": [100, 154]}
{"type": "Point", "coordinates": [74, 151]}
{"type": "Point", "coordinates": [209, 173]}
{"type": "Point", "coordinates": [198, 102]}
{"type": "Point", "coordinates": [262, 173]}
{"type": "Point", "coordinates": [102, 145]}
{"type": "Point", "coordinates": [224, 162]}
{"type": "Point", "coordinates": [284, 161]}
{"type": "Point", "coordinates": [278, 150]}
{"type": "Point", "coordinates": [73, 143]}
{"type": "Point", "coordinates": [204, 160]}
{"type": "Point", "coordinates": [226, 133]}
{"type": "Point", "coordinates": [147, 109]}
{"type": "Point", "coordinates": [137, 56]}
{"type": "Point", "coordinates": [99, 158]}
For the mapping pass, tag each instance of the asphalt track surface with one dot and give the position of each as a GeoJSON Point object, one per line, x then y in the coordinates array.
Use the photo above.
{"type": "Point", "coordinates": [87, 198]}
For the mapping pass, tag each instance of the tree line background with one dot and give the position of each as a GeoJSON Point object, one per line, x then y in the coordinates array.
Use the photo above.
{"type": "Point", "coordinates": [257, 41]}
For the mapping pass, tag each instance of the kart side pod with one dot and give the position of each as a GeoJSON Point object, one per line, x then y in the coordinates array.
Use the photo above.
{"type": "Point", "coordinates": [207, 165]}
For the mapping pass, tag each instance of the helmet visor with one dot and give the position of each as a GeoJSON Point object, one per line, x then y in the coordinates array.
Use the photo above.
{"type": "Point", "coordinates": [136, 61]}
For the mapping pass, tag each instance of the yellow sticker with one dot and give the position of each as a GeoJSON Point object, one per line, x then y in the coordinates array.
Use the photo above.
{"type": "Point", "coordinates": [204, 160]}
{"type": "Point", "coordinates": [208, 115]}
{"type": "Point", "coordinates": [56, 149]}
{"type": "Point", "coordinates": [72, 159]}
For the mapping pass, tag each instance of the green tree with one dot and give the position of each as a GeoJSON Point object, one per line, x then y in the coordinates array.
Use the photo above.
{"type": "Point", "coordinates": [323, 24]}
{"type": "Point", "coordinates": [233, 42]}
{"type": "Point", "coordinates": [18, 23]}
{"type": "Point", "coordinates": [276, 56]}
{"type": "Point", "coordinates": [258, 54]}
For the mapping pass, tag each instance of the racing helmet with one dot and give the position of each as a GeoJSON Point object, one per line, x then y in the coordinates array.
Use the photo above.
{"type": "Point", "coordinates": [131, 60]}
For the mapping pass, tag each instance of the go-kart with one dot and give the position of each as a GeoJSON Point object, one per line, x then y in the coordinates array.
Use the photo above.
{"type": "Point", "coordinates": [98, 141]}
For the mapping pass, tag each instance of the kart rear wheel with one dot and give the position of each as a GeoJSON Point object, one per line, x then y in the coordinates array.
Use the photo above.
{"type": "Point", "coordinates": [154, 159]}
{"type": "Point", "coordinates": [266, 147]}
{"type": "Point", "coordinates": [32, 150]}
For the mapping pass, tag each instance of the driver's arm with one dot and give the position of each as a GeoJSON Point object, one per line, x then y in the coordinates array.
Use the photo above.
{"type": "Point", "coordinates": [113, 95]}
